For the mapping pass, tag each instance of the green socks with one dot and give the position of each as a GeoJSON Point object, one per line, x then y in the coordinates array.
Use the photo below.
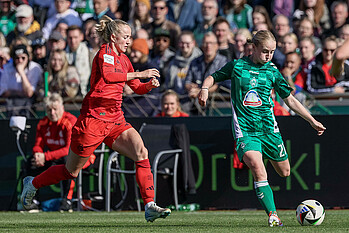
{"type": "Point", "coordinates": [265, 195]}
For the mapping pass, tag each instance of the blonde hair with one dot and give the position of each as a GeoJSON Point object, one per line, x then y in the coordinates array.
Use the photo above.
{"type": "Point", "coordinates": [173, 93]}
{"type": "Point", "coordinates": [60, 76]}
{"type": "Point", "coordinates": [50, 99]}
{"type": "Point", "coordinates": [262, 36]}
{"type": "Point", "coordinates": [108, 27]}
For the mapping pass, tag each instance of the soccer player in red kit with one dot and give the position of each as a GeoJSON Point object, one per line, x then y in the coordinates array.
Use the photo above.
{"type": "Point", "coordinates": [101, 118]}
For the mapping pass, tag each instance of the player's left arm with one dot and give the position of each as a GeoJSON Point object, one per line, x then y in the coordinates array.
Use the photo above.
{"type": "Point", "coordinates": [298, 108]}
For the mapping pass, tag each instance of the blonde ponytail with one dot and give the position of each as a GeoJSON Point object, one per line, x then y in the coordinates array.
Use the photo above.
{"type": "Point", "coordinates": [108, 27]}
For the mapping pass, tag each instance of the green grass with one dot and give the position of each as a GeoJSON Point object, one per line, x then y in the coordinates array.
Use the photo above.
{"type": "Point", "coordinates": [199, 221]}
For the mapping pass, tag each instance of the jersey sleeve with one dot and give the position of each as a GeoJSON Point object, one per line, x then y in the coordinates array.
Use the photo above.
{"type": "Point", "coordinates": [281, 86]}
{"type": "Point", "coordinates": [224, 73]}
{"type": "Point", "coordinates": [110, 72]}
{"type": "Point", "coordinates": [138, 87]}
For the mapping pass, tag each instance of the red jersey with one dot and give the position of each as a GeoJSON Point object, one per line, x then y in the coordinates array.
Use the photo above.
{"type": "Point", "coordinates": [108, 78]}
{"type": "Point", "coordinates": [55, 136]}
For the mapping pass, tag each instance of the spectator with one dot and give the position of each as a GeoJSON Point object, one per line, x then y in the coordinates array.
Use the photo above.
{"type": "Point", "coordinates": [283, 7]}
{"type": "Point", "coordinates": [162, 54]}
{"type": "Point", "coordinates": [241, 37]}
{"type": "Point", "coordinates": [56, 41]}
{"type": "Point", "coordinates": [319, 79]}
{"type": "Point", "coordinates": [307, 49]}
{"type": "Point", "coordinates": [261, 15]}
{"type": "Point", "coordinates": [62, 79]}
{"type": "Point", "coordinates": [159, 11]}
{"type": "Point", "coordinates": [178, 67]}
{"type": "Point", "coordinates": [141, 16]}
{"type": "Point", "coordinates": [42, 10]}
{"type": "Point", "coordinates": [93, 43]}
{"type": "Point", "coordinates": [238, 13]}
{"type": "Point", "coordinates": [3, 42]}
{"type": "Point", "coordinates": [289, 43]}
{"type": "Point", "coordinates": [19, 81]}
{"type": "Point", "coordinates": [317, 12]}
{"type": "Point", "coordinates": [171, 106]}
{"type": "Point", "coordinates": [209, 10]}
{"type": "Point", "coordinates": [292, 68]}
{"type": "Point", "coordinates": [62, 27]}
{"type": "Point", "coordinates": [113, 6]}
{"type": "Point", "coordinates": [281, 25]}
{"type": "Point", "coordinates": [101, 7]}
{"type": "Point", "coordinates": [205, 65]}
{"type": "Point", "coordinates": [222, 31]}
{"type": "Point", "coordinates": [344, 32]}
{"type": "Point", "coordinates": [78, 56]}
{"type": "Point", "coordinates": [143, 34]}
{"type": "Point", "coordinates": [7, 17]}
{"type": "Point", "coordinates": [53, 134]}
{"type": "Point", "coordinates": [40, 52]}
{"type": "Point", "coordinates": [186, 13]}
{"type": "Point", "coordinates": [339, 14]}
{"type": "Point", "coordinates": [26, 25]}
{"type": "Point", "coordinates": [306, 30]}
{"type": "Point", "coordinates": [63, 12]}
{"type": "Point", "coordinates": [4, 57]}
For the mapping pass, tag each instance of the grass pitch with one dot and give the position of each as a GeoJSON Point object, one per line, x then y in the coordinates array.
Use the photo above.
{"type": "Point", "coordinates": [199, 221]}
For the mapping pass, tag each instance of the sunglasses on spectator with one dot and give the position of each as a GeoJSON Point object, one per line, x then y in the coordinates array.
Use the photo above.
{"type": "Point", "coordinates": [329, 50]}
{"type": "Point", "coordinates": [158, 7]}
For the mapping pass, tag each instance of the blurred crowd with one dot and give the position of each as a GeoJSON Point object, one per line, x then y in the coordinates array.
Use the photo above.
{"type": "Point", "coordinates": [48, 47]}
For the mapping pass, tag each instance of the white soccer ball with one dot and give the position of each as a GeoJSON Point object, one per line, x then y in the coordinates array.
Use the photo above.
{"type": "Point", "coordinates": [310, 213]}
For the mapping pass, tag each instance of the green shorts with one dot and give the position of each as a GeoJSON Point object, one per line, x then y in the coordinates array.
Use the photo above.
{"type": "Point", "coordinates": [270, 145]}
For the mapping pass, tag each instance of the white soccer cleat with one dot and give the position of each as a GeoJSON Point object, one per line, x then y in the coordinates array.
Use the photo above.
{"type": "Point", "coordinates": [274, 220]}
{"type": "Point", "coordinates": [153, 212]}
{"type": "Point", "coordinates": [28, 193]}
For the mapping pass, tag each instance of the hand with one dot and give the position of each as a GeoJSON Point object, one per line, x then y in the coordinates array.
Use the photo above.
{"type": "Point", "coordinates": [339, 89]}
{"type": "Point", "coordinates": [202, 97]}
{"type": "Point", "coordinates": [193, 93]}
{"type": "Point", "coordinates": [153, 83]}
{"type": "Point", "coordinates": [318, 127]}
{"type": "Point", "coordinates": [310, 13]}
{"type": "Point", "coordinates": [287, 72]}
{"type": "Point", "coordinates": [38, 159]}
{"type": "Point", "coordinates": [21, 66]}
{"type": "Point", "coordinates": [150, 73]}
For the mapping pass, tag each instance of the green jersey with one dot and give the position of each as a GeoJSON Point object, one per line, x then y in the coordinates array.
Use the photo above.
{"type": "Point", "coordinates": [252, 104]}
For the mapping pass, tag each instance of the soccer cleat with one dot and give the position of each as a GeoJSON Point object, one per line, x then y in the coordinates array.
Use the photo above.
{"type": "Point", "coordinates": [28, 193]}
{"type": "Point", "coordinates": [66, 205]}
{"type": "Point", "coordinates": [274, 220]}
{"type": "Point", "coordinates": [153, 212]}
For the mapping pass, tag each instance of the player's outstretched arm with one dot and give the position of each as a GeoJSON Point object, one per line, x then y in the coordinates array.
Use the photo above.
{"type": "Point", "coordinates": [203, 94]}
{"type": "Point", "coordinates": [149, 73]}
{"type": "Point", "coordinates": [298, 108]}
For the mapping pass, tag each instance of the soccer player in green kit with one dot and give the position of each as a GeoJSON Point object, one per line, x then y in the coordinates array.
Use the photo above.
{"type": "Point", "coordinates": [254, 126]}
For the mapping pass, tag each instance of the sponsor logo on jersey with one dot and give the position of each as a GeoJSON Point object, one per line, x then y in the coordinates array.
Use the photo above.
{"type": "Point", "coordinates": [252, 99]}
{"type": "Point", "coordinates": [253, 72]}
{"type": "Point", "coordinates": [108, 59]}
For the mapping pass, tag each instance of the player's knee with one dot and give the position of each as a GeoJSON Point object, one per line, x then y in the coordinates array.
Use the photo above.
{"type": "Point", "coordinates": [285, 173]}
{"type": "Point", "coordinates": [142, 154]}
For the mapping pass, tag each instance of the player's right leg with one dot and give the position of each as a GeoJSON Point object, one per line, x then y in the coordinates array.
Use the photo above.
{"type": "Point", "coordinates": [130, 144]}
{"type": "Point", "coordinates": [254, 161]}
{"type": "Point", "coordinates": [52, 175]}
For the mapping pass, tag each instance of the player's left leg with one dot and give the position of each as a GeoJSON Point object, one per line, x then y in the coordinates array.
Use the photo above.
{"type": "Point", "coordinates": [130, 144]}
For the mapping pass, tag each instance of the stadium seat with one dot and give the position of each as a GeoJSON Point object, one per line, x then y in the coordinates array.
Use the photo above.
{"type": "Point", "coordinates": [163, 157]}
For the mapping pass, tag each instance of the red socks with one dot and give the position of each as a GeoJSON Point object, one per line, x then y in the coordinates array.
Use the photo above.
{"type": "Point", "coordinates": [52, 175]}
{"type": "Point", "coordinates": [145, 181]}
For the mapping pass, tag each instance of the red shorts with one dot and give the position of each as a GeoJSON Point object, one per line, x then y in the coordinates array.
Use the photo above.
{"type": "Point", "coordinates": [88, 133]}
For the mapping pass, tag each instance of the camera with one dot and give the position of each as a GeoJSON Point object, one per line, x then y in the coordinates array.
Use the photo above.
{"type": "Point", "coordinates": [17, 123]}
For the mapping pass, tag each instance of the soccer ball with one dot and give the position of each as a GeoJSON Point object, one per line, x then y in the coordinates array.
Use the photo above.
{"type": "Point", "coordinates": [310, 213]}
